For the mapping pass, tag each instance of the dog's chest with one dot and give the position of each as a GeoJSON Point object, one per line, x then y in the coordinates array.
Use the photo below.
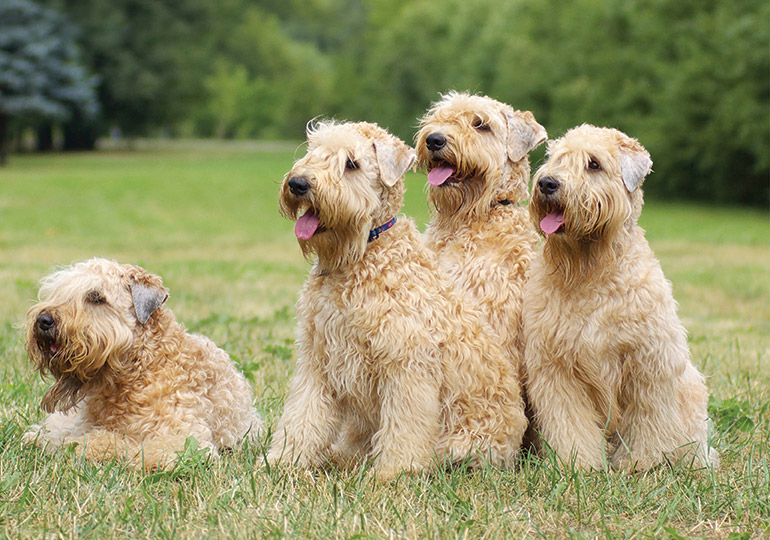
{"type": "Point", "coordinates": [584, 330]}
{"type": "Point", "coordinates": [341, 334]}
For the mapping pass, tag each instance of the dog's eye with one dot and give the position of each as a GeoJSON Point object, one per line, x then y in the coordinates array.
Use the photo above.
{"type": "Point", "coordinates": [479, 124]}
{"type": "Point", "coordinates": [351, 165]}
{"type": "Point", "coordinates": [594, 165]}
{"type": "Point", "coordinates": [95, 297]}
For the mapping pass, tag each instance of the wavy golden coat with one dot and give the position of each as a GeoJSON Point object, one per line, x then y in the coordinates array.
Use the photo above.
{"type": "Point", "coordinates": [609, 374]}
{"type": "Point", "coordinates": [480, 231]}
{"type": "Point", "coordinates": [391, 363]}
{"type": "Point", "coordinates": [130, 382]}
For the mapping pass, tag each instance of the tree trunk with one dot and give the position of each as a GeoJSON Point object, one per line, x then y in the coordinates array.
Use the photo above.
{"type": "Point", "coordinates": [3, 136]}
{"type": "Point", "coordinates": [79, 134]}
{"type": "Point", "coordinates": [45, 137]}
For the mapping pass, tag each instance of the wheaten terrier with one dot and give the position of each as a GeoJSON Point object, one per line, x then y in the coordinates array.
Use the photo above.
{"type": "Point", "coordinates": [475, 151]}
{"type": "Point", "coordinates": [608, 366]}
{"type": "Point", "coordinates": [391, 364]}
{"type": "Point", "coordinates": [130, 382]}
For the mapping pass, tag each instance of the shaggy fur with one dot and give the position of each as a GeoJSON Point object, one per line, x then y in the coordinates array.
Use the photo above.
{"type": "Point", "coordinates": [391, 364]}
{"type": "Point", "coordinates": [609, 371]}
{"type": "Point", "coordinates": [129, 381]}
{"type": "Point", "coordinates": [480, 232]}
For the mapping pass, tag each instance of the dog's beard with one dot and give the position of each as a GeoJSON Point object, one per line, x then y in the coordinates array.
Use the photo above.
{"type": "Point", "coordinates": [341, 236]}
{"type": "Point", "coordinates": [592, 222]}
{"type": "Point", "coordinates": [65, 392]}
{"type": "Point", "coordinates": [457, 198]}
{"type": "Point", "coordinates": [63, 395]}
{"type": "Point", "coordinates": [337, 248]}
{"type": "Point", "coordinates": [473, 189]}
{"type": "Point", "coordinates": [75, 360]}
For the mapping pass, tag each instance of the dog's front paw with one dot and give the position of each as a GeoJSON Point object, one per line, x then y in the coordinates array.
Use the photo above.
{"type": "Point", "coordinates": [33, 436]}
{"type": "Point", "coordinates": [387, 471]}
{"type": "Point", "coordinates": [621, 460]}
{"type": "Point", "coordinates": [287, 457]}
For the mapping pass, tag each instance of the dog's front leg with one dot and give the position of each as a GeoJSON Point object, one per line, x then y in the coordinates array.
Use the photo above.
{"type": "Point", "coordinates": [666, 415]}
{"type": "Point", "coordinates": [57, 428]}
{"type": "Point", "coordinates": [566, 417]}
{"type": "Point", "coordinates": [409, 422]}
{"type": "Point", "coordinates": [310, 419]}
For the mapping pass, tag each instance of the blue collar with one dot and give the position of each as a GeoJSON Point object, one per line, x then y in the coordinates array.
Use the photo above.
{"type": "Point", "coordinates": [374, 234]}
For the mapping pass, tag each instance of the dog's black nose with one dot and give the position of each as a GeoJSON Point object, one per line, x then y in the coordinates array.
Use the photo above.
{"type": "Point", "coordinates": [435, 141]}
{"type": "Point", "coordinates": [45, 322]}
{"type": "Point", "coordinates": [547, 185]}
{"type": "Point", "coordinates": [298, 186]}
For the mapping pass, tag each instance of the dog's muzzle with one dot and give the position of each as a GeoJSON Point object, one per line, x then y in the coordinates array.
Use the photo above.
{"type": "Point", "coordinates": [45, 331]}
{"type": "Point", "coordinates": [299, 186]}
{"type": "Point", "coordinates": [435, 142]}
{"type": "Point", "coordinates": [548, 185]}
{"type": "Point", "coordinates": [45, 323]}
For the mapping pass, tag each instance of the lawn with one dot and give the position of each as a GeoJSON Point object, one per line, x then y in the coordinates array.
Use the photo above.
{"type": "Point", "coordinates": [205, 218]}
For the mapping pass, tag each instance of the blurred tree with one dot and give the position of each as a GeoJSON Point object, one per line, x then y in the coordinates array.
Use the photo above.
{"type": "Point", "coordinates": [689, 78]}
{"type": "Point", "coordinates": [264, 82]}
{"type": "Point", "coordinates": [416, 50]}
{"type": "Point", "coordinates": [40, 72]}
{"type": "Point", "coordinates": [151, 56]}
{"type": "Point", "coordinates": [709, 127]}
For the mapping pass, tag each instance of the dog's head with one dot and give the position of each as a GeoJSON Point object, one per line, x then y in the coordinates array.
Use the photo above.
{"type": "Point", "coordinates": [589, 187]}
{"type": "Point", "coordinates": [85, 324]}
{"type": "Point", "coordinates": [474, 150]}
{"type": "Point", "coordinates": [349, 182]}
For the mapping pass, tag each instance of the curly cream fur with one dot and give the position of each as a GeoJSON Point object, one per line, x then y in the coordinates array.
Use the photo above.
{"type": "Point", "coordinates": [392, 364]}
{"type": "Point", "coordinates": [480, 232]}
{"type": "Point", "coordinates": [608, 367]}
{"type": "Point", "coordinates": [125, 389]}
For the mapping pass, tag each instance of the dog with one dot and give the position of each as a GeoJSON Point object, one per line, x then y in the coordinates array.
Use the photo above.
{"type": "Point", "coordinates": [475, 149]}
{"type": "Point", "coordinates": [609, 374]}
{"type": "Point", "coordinates": [392, 364]}
{"type": "Point", "coordinates": [130, 382]}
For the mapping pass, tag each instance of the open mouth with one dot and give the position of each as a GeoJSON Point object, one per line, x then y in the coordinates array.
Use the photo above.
{"type": "Point", "coordinates": [308, 225]}
{"type": "Point", "coordinates": [553, 222]}
{"type": "Point", "coordinates": [442, 173]}
{"type": "Point", "coordinates": [47, 345]}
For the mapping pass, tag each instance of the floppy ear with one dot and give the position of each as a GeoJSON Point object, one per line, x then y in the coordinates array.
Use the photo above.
{"type": "Point", "coordinates": [147, 299]}
{"type": "Point", "coordinates": [524, 134]}
{"type": "Point", "coordinates": [393, 160]}
{"type": "Point", "coordinates": [634, 166]}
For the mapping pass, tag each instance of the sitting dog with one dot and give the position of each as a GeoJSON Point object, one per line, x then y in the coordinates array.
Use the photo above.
{"type": "Point", "coordinates": [130, 382]}
{"type": "Point", "coordinates": [392, 364]}
{"type": "Point", "coordinates": [609, 374]}
{"type": "Point", "coordinates": [475, 151]}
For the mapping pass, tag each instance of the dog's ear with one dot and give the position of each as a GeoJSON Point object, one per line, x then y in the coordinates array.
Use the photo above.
{"type": "Point", "coordinates": [635, 164]}
{"type": "Point", "coordinates": [147, 298]}
{"type": "Point", "coordinates": [524, 134]}
{"type": "Point", "coordinates": [393, 160]}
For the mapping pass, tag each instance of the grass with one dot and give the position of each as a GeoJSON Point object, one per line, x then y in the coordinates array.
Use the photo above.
{"type": "Point", "coordinates": [205, 218]}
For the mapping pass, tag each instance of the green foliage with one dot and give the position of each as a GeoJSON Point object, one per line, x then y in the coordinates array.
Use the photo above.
{"type": "Point", "coordinates": [41, 76]}
{"type": "Point", "coordinates": [149, 55]}
{"type": "Point", "coordinates": [731, 414]}
{"type": "Point", "coordinates": [40, 73]}
{"type": "Point", "coordinates": [264, 84]}
{"type": "Point", "coordinates": [689, 78]}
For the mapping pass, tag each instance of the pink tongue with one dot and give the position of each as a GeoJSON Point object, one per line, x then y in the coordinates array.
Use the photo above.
{"type": "Point", "coordinates": [306, 225]}
{"type": "Point", "coordinates": [552, 222]}
{"type": "Point", "coordinates": [439, 175]}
